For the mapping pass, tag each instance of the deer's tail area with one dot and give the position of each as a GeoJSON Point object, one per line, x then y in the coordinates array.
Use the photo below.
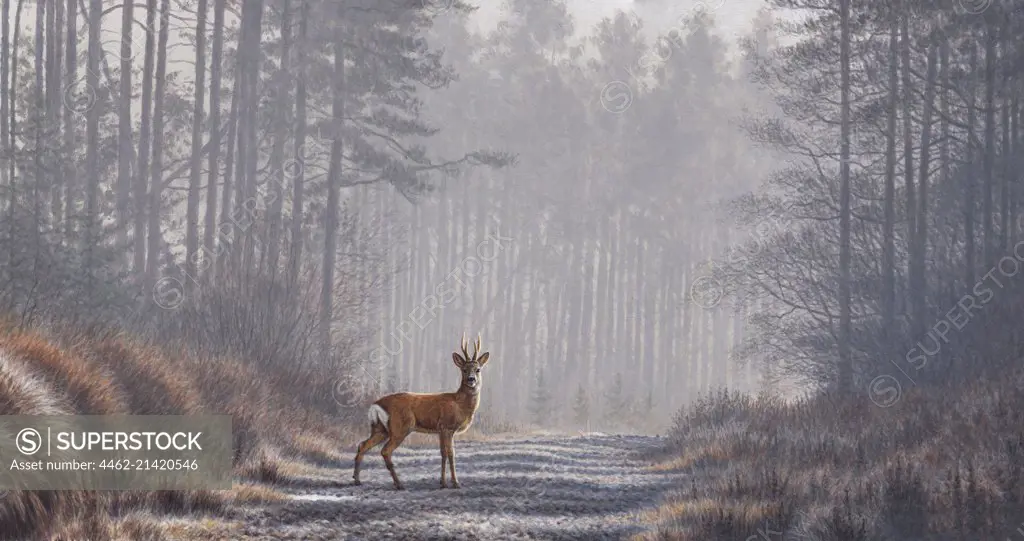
{"type": "Point", "coordinates": [377, 415]}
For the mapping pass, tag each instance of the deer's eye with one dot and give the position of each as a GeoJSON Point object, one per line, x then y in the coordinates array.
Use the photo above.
{"type": "Point", "coordinates": [477, 370]}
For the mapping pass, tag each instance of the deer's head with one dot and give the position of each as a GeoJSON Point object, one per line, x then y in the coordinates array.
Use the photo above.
{"type": "Point", "coordinates": [470, 365]}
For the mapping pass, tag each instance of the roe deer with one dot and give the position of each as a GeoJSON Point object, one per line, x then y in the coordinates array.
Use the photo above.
{"type": "Point", "coordinates": [394, 416]}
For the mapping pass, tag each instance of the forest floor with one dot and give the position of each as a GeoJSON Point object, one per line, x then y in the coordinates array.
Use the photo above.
{"type": "Point", "coordinates": [585, 487]}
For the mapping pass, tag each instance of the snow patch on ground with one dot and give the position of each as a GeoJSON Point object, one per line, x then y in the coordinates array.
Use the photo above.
{"type": "Point", "coordinates": [534, 488]}
{"type": "Point", "coordinates": [322, 497]}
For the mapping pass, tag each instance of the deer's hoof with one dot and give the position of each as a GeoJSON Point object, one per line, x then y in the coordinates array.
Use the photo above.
{"type": "Point", "coordinates": [444, 485]}
{"type": "Point", "coordinates": [357, 482]}
{"type": "Point", "coordinates": [399, 487]}
{"type": "Point", "coordinates": [455, 484]}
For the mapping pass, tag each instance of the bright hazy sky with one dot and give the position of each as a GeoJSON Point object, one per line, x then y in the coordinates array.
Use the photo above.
{"type": "Point", "coordinates": [732, 16]}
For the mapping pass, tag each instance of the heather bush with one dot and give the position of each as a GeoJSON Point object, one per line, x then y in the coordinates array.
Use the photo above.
{"type": "Point", "coordinates": [937, 465]}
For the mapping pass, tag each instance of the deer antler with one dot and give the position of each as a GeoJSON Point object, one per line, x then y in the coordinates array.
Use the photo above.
{"type": "Point", "coordinates": [476, 347]}
{"type": "Point", "coordinates": [465, 354]}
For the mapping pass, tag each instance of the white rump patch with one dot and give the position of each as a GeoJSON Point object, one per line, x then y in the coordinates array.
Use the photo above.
{"type": "Point", "coordinates": [376, 414]}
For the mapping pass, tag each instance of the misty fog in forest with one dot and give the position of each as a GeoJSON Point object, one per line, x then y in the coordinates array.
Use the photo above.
{"type": "Point", "coordinates": [630, 212]}
{"type": "Point", "coordinates": [739, 265]}
{"type": "Point", "coordinates": [559, 190]}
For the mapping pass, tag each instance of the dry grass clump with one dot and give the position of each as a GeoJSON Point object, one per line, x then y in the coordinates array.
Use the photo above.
{"type": "Point", "coordinates": [939, 465]}
{"type": "Point", "coordinates": [87, 386]}
{"type": "Point", "coordinates": [133, 527]}
{"type": "Point", "coordinates": [248, 493]}
{"type": "Point", "coordinates": [54, 372]}
{"type": "Point", "coordinates": [151, 381]}
{"type": "Point", "coordinates": [323, 449]}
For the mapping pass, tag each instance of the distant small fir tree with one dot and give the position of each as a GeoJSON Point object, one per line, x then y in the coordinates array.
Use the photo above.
{"type": "Point", "coordinates": [581, 407]}
{"type": "Point", "coordinates": [617, 407]}
{"type": "Point", "coordinates": [541, 401]}
{"type": "Point", "coordinates": [643, 413]}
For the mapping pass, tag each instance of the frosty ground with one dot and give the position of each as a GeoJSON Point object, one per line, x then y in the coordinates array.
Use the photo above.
{"type": "Point", "coordinates": [587, 487]}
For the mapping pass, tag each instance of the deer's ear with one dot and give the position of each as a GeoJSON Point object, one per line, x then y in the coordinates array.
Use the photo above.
{"type": "Point", "coordinates": [459, 361]}
{"type": "Point", "coordinates": [483, 358]}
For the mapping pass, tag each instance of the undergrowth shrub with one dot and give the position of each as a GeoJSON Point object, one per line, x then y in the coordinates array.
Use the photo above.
{"type": "Point", "coordinates": [57, 371]}
{"type": "Point", "coordinates": [937, 465]}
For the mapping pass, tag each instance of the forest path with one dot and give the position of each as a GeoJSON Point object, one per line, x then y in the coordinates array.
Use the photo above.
{"type": "Point", "coordinates": [587, 487]}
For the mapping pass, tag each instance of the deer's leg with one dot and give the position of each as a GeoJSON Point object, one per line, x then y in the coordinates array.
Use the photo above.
{"type": "Point", "coordinates": [389, 447]}
{"type": "Point", "coordinates": [451, 459]}
{"type": "Point", "coordinates": [443, 439]}
{"type": "Point", "coordinates": [376, 437]}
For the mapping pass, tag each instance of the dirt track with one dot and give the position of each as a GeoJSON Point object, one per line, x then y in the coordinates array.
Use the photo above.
{"type": "Point", "coordinates": [535, 488]}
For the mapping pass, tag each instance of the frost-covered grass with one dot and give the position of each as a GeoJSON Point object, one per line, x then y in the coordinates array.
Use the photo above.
{"type": "Point", "coordinates": [936, 465]}
{"type": "Point", "coordinates": [61, 372]}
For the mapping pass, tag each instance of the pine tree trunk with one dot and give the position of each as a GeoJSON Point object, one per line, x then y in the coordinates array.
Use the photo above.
{"type": "Point", "coordinates": [601, 292]}
{"type": "Point", "coordinates": [282, 113]}
{"type": "Point", "coordinates": [575, 307]}
{"type": "Point", "coordinates": [553, 318]}
{"type": "Point", "coordinates": [845, 382]}
{"type": "Point", "coordinates": [142, 172]}
{"type": "Point", "coordinates": [720, 320]}
{"type": "Point", "coordinates": [944, 164]}
{"type": "Point", "coordinates": [302, 156]}
{"type": "Point", "coordinates": [666, 326]}
{"type": "Point", "coordinates": [54, 105]}
{"type": "Point", "coordinates": [124, 126]}
{"type": "Point", "coordinates": [195, 178]}
{"type": "Point", "coordinates": [611, 351]}
{"type": "Point", "coordinates": [920, 253]}
{"type": "Point", "coordinates": [650, 321]}
{"type": "Point", "coordinates": [5, 91]}
{"type": "Point", "coordinates": [889, 235]}
{"type": "Point", "coordinates": [446, 258]}
{"type": "Point", "coordinates": [415, 270]}
{"type": "Point", "coordinates": [68, 163]}
{"type": "Point", "coordinates": [530, 319]}
{"type": "Point", "coordinates": [216, 75]}
{"type": "Point", "coordinates": [511, 341]}
{"type": "Point", "coordinates": [156, 173]}
{"type": "Point", "coordinates": [1012, 177]}
{"type": "Point", "coordinates": [471, 247]}
{"type": "Point", "coordinates": [687, 357]}
{"type": "Point", "coordinates": [251, 163]}
{"type": "Point", "coordinates": [1004, 180]}
{"type": "Point", "coordinates": [13, 196]}
{"type": "Point", "coordinates": [634, 326]}
{"type": "Point", "coordinates": [228, 218]}
{"type": "Point", "coordinates": [585, 352]}
{"type": "Point", "coordinates": [92, 134]}
{"type": "Point", "coordinates": [387, 308]}
{"type": "Point", "coordinates": [239, 217]}
{"type": "Point", "coordinates": [334, 180]}
{"type": "Point", "coordinates": [988, 239]}
{"type": "Point", "coordinates": [620, 347]}
{"type": "Point", "coordinates": [702, 376]}
{"type": "Point", "coordinates": [741, 380]}
{"type": "Point", "coordinates": [481, 202]}
{"type": "Point", "coordinates": [969, 175]}
{"type": "Point", "coordinates": [39, 180]}
{"type": "Point", "coordinates": [908, 133]}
